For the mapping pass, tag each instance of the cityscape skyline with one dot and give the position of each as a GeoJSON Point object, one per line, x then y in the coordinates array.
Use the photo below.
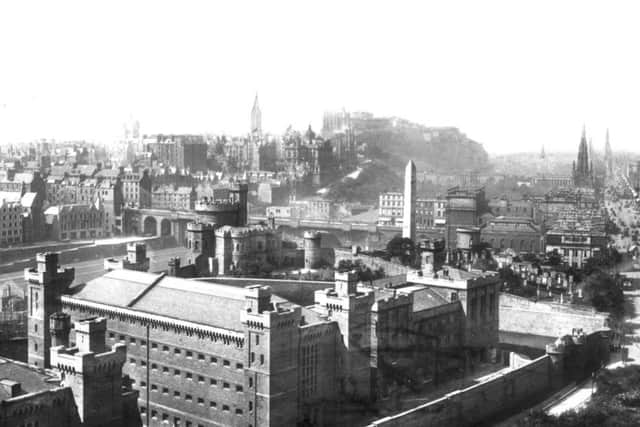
{"type": "Point", "coordinates": [178, 71]}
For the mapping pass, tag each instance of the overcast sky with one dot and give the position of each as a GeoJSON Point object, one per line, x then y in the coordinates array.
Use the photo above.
{"type": "Point", "coordinates": [511, 74]}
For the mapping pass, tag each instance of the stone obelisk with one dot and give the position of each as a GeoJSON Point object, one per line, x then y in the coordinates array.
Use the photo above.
{"type": "Point", "coordinates": [409, 211]}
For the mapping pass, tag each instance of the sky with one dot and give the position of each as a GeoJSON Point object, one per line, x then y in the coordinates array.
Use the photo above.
{"type": "Point", "coordinates": [513, 75]}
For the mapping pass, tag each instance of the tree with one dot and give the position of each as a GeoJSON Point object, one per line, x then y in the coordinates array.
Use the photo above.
{"type": "Point", "coordinates": [402, 248]}
{"type": "Point", "coordinates": [365, 273]}
{"type": "Point", "coordinates": [604, 292]}
{"type": "Point", "coordinates": [615, 403]}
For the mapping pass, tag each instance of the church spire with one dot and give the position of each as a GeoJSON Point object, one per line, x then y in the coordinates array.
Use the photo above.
{"type": "Point", "coordinates": [583, 168]}
{"type": "Point", "coordinates": [256, 118]}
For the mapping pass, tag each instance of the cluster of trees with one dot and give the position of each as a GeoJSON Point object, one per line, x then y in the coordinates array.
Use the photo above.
{"type": "Point", "coordinates": [615, 403]}
{"type": "Point", "coordinates": [365, 273]}
{"type": "Point", "coordinates": [402, 249]}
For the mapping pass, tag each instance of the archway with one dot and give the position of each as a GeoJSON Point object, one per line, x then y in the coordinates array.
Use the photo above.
{"type": "Point", "coordinates": [165, 227]}
{"type": "Point", "coordinates": [150, 226]}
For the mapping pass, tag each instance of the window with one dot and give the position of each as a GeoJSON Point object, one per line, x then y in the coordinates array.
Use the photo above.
{"type": "Point", "coordinates": [226, 363]}
{"type": "Point", "coordinates": [189, 354]}
{"type": "Point", "coordinates": [154, 387]}
{"type": "Point", "coordinates": [213, 405]}
{"type": "Point", "coordinates": [176, 372]}
{"type": "Point", "coordinates": [176, 351]}
{"type": "Point", "coordinates": [165, 348]}
{"type": "Point", "coordinates": [200, 401]}
{"type": "Point", "coordinates": [257, 339]}
{"type": "Point", "coordinates": [176, 394]}
{"type": "Point", "coordinates": [238, 411]}
{"type": "Point", "coordinates": [154, 367]}
{"type": "Point", "coordinates": [214, 359]}
{"type": "Point", "coordinates": [165, 370]}
{"type": "Point", "coordinates": [143, 343]}
{"type": "Point", "coordinates": [165, 390]}
{"type": "Point", "coordinates": [250, 406]}
{"type": "Point", "coordinates": [154, 346]}
{"type": "Point", "coordinates": [132, 360]}
{"type": "Point", "coordinates": [154, 414]}
{"type": "Point", "coordinates": [225, 408]}
{"type": "Point", "coordinates": [239, 388]}
{"type": "Point", "coordinates": [132, 340]}
{"type": "Point", "coordinates": [112, 335]}
{"type": "Point", "coordinates": [201, 357]}
{"type": "Point", "coordinates": [262, 359]}
{"type": "Point", "coordinates": [188, 397]}
{"type": "Point", "coordinates": [239, 366]}
{"type": "Point", "coordinates": [225, 385]}
{"type": "Point", "coordinates": [165, 417]}
{"type": "Point", "coordinates": [250, 382]}
{"type": "Point", "coordinates": [122, 338]}
{"type": "Point", "coordinates": [143, 384]}
{"type": "Point", "coordinates": [200, 379]}
{"type": "Point", "coordinates": [253, 357]}
{"type": "Point", "coordinates": [213, 381]}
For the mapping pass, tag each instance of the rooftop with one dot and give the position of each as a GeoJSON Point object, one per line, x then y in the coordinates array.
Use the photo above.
{"type": "Point", "coordinates": [31, 379]}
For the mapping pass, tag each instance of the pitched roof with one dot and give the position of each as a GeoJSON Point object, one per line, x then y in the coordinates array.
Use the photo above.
{"type": "Point", "coordinates": [424, 297]}
{"type": "Point", "coordinates": [28, 199]}
{"type": "Point", "coordinates": [200, 302]}
{"type": "Point", "coordinates": [10, 196]}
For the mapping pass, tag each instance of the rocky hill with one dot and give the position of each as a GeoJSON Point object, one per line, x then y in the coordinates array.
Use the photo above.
{"type": "Point", "coordinates": [444, 150]}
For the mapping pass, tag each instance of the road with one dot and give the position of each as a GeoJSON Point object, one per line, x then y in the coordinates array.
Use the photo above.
{"type": "Point", "coordinates": [87, 270]}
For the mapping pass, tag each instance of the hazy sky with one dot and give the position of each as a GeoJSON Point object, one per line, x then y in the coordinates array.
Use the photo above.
{"type": "Point", "coordinates": [511, 74]}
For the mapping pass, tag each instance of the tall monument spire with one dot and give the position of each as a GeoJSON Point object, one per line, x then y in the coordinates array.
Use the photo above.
{"type": "Point", "coordinates": [608, 154]}
{"type": "Point", "coordinates": [409, 211]}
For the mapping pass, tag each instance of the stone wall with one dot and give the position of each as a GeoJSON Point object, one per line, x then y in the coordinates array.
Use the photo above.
{"type": "Point", "coordinates": [390, 268]}
{"type": "Point", "coordinates": [508, 391]}
{"type": "Point", "coordinates": [481, 401]}
{"type": "Point", "coordinates": [520, 315]}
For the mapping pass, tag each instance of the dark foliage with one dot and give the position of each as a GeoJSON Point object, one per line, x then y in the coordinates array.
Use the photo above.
{"type": "Point", "coordinates": [615, 403]}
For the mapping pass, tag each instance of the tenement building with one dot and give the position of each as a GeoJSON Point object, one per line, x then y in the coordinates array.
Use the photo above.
{"type": "Point", "coordinates": [429, 212]}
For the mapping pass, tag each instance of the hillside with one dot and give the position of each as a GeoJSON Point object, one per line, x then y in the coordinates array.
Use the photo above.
{"type": "Point", "coordinates": [376, 177]}
{"type": "Point", "coordinates": [444, 150]}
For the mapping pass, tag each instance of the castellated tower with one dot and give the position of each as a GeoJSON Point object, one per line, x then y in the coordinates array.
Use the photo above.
{"type": "Point", "coordinates": [46, 284]}
{"type": "Point", "coordinates": [201, 241]}
{"type": "Point", "coordinates": [93, 373]}
{"type": "Point", "coordinates": [312, 249]}
{"type": "Point", "coordinates": [409, 211]}
{"type": "Point", "coordinates": [352, 311]}
{"type": "Point", "coordinates": [271, 334]}
{"type": "Point", "coordinates": [60, 326]}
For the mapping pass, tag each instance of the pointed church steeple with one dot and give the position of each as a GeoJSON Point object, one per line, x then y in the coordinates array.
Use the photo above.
{"type": "Point", "coordinates": [583, 169]}
{"type": "Point", "coordinates": [256, 118]}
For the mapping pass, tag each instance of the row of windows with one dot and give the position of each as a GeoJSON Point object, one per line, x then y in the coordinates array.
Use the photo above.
{"type": "Point", "coordinates": [177, 351]}
{"type": "Point", "coordinates": [187, 375]}
{"type": "Point", "coordinates": [177, 421]}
